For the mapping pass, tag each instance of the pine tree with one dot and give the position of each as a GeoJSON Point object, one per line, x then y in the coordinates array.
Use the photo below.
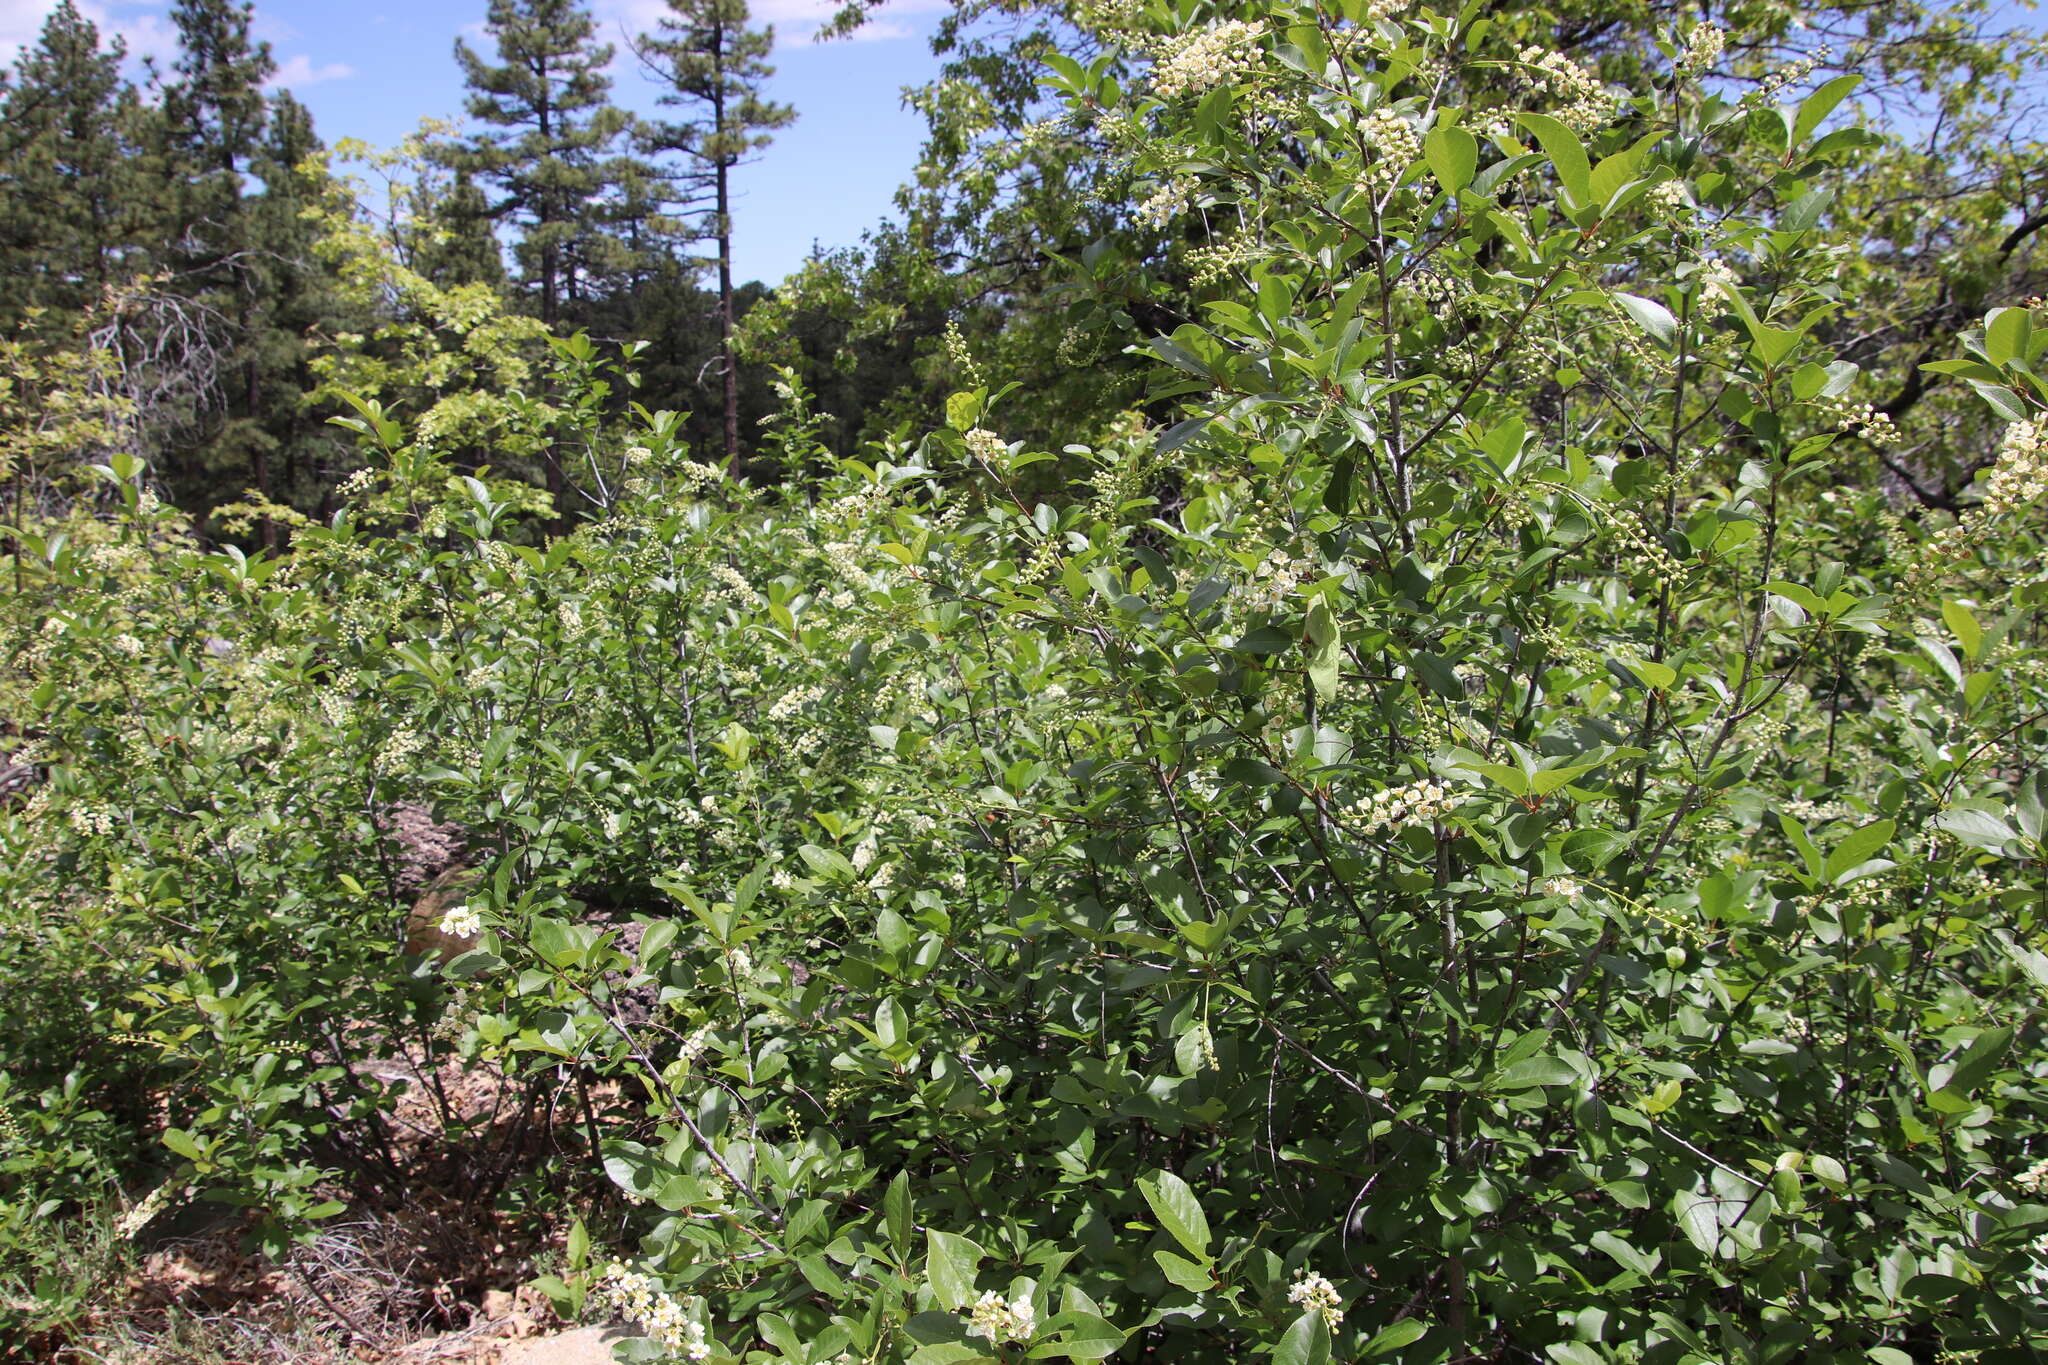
{"type": "Point", "coordinates": [215, 108]}
{"type": "Point", "coordinates": [296, 300]}
{"type": "Point", "coordinates": [712, 65]}
{"type": "Point", "coordinates": [72, 219]}
{"type": "Point", "coordinates": [548, 144]}
{"type": "Point", "coordinates": [457, 246]}
{"type": "Point", "coordinates": [214, 117]}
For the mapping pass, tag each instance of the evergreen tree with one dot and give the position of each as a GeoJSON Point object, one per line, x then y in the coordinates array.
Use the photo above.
{"type": "Point", "coordinates": [713, 66]}
{"type": "Point", "coordinates": [71, 218]}
{"type": "Point", "coordinates": [548, 144]}
{"type": "Point", "coordinates": [215, 108]}
{"type": "Point", "coordinates": [295, 301]}
{"type": "Point", "coordinates": [214, 118]}
{"type": "Point", "coordinates": [457, 246]}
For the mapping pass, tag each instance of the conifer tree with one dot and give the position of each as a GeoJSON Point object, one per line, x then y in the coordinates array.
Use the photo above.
{"type": "Point", "coordinates": [457, 246]}
{"type": "Point", "coordinates": [548, 145]}
{"type": "Point", "coordinates": [214, 117]}
{"type": "Point", "coordinates": [713, 66]}
{"type": "Point", "coordinates": [215, 108]}
{"type": "Point", "coordinates": [71, 216]}
{"type": "Point", "coordinates": [296, 300]}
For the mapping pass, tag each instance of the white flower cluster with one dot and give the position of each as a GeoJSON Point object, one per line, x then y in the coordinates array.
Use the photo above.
{"type": "Point", "coordinates": [2034, 1179]}
{"type": "Point", "coordinates": [1208, 264]}
{"type": "Point", "coordinates": [985, 445]}
{"type": "Point", "coordinates": [1315, 1294]}
{"type": "Point", "coordinates": [694, 1045]}
{"type": "Point", "coordinates": [88, 820]}
{"type": "Point", "coordinates": [1863, 419]}
{"type": "Point", "coordinates": [999, 1321]}
{"type": "Point", "coordinates": [733, 586]}
{"type": "Point", "coordinates": [791, 702]}
{"type": "Point", "coordinates": [2017, 477]}
{"type": "Point", "coordinates": [636, 1297]}
{"type": "Point", "coordinates": [153, 1203]}
{"type": "Point", "coordinates": [1713, 270]}
{"type": "Point", "coordinates": [2021, 472]}
{"type": "Point", "coordinates": [1398, 145]}
{"type": "Point", "coordinates": [1116, 16]}
{"type": "Point", "coordinates": [696, 476]}
{"type": "Point", "coordinates": [1702, 49]}
{"type": "Point", "coordinates": [1790, 74]}
{"type": "Point", "coordinates": [1670, 196]}
{"type": "Point", "coordinates": [398, 751]}
{"type": "Point", "coordinates": [1166, 203]}
{"type": "Point", "coordinates": [1640, 550]}
{"type": "Point", "coordinates": [1273, 582]}
{"type": "Point", "coordinates": [463, 921]}
{"type": "Point", "coordinates": [843, 558]}
{"type": "Point", "coordinates": [1565, 888]}
{"type": "Point", "coordinates": [1415, 803]}
{"type": "Point", "coordinates": [1196, 61]}
{"type": "Point", "coordinates": [337, 706]}
{"type": "Point", "coordinates": [1585, 102]}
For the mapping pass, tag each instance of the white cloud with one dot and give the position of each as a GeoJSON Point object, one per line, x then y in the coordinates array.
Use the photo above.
{"type": "Point", "coordinates": [148, 31]}
{"type": "Point", "coordinates": [296, 73]}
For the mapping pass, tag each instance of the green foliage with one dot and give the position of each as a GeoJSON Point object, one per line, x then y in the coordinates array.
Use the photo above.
{"type": "Point", "coordinates": [1475, 839]}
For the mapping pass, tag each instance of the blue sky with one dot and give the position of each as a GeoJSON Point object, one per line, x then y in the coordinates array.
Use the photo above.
{"type": "Point", "coordinates": [374, 68]}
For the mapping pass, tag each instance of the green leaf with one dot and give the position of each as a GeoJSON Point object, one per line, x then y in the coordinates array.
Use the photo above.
{"type": "Point", "coordinates": [1185, 1273]}
{"type": "Point", "coordinates": [1625, 1255]}
{"type": "Point", "coordinates": [963, 410]}
{"type": "Point", "coordinates": [949, 1353]}
{"type": "Point", "coordinates": [950, 1264]}
{"type": "Point", "coordinates": [2006, 331]}
{"type": "Point", "coordinates": [656, 942]}
{"type": "Point", "coordinates": [1394, 1337]}
{"type": "Point", "coordinates": [1078, 1335]}
{"type": "Point", "coordinates": [1177, 1210]}
{"type": "Point", "coordinates": [1535, 1071]}
{"type": "Point", "coordinates": [1651, 316]}
{"type": "Point", "coordinates": [1698, 1220]}
{"type": "Point", "coordinates": [1964, 627]}
{"type": "Point", "coordinates": [1978, 1061]}
{"type": "Point", "coordinates": [1452, 154]}
{"type": "Point", "coordinates": [1856, 848]}
{"type": "Point", "coordinates": [2000, 399]}
{"type": "Point", "coordinates": [1819, 105]}
{"type": "Point", "coordinates": [892, 1023]}
{"type": "Point", "coordinates": [1325, 649]}
{"type": "Point", "coordinates": [897, 1213]}
{"type": "Point", "coordinates": [1977, 828]}
{"type": "Point", "coordinates": [1307, 1342]}
{"type": "Point", "coordinates": [1566, 153]}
